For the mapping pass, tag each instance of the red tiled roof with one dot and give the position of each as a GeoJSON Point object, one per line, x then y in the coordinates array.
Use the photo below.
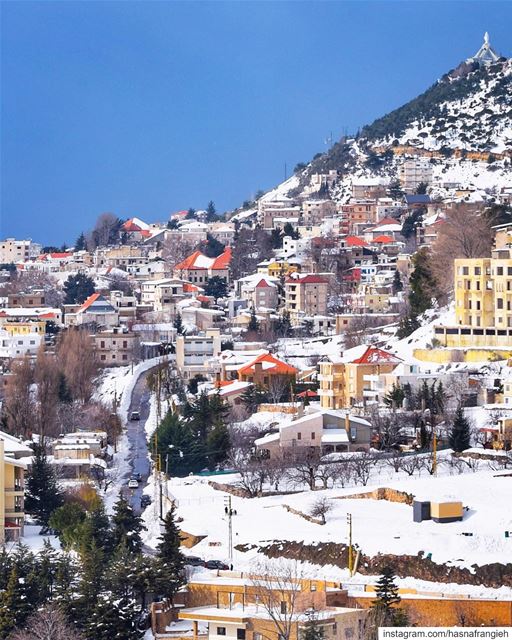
{"type": "Point", "coordinates": [47, 315]}
{"type": "Point", "coordinates": [87, 303]}
{"type": "Point", "coordinates": [222, 262]}
{"type": "Point", "coordinates": [309, 278]}
{"type": "Point", "coordinates": [374, 355]}
{"type": "Point", "coordinates": [355, 241]}
{"type": "Point", "coordinates": [130, 226]}
{"type": "Point", "coordinates": [262, 284]}
{"type": "Point", "coordinates": [383, 239]}
{"type": "Point", "coordinates": [277, 367]}
{"type": "Point", "coordinates": [188, 263]}
{"type": "Point", "coordinates": [385, 221]}
{"type": "Point", "coordinates": [188, 287]}
{"type": "Point", "coordinates": [307, 394]}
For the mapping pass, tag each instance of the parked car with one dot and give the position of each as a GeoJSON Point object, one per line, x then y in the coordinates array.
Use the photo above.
{"type": "Point", "coordinates": [194, 561]}
{"type": "Point", "coordinates": [138, 476]}
{"type": "Point", "coordinates": [145, 501]}
{"type": "Point", "coordinates": [134, 415]}
{"type": "Point", "coordinates": [133, 483]}
{"type": "Point", "coordinates": [216, 564]}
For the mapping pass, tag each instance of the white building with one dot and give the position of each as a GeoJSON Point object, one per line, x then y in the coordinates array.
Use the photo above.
{"type": "Point", "coordinates": [12, 250]}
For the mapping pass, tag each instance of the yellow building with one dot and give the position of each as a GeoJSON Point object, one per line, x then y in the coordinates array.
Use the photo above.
{"type": "Point", "coordinates": [483, 302]}
{"type": "Point", "coordinates": [24, 328]}
{"type": "Point", "coordinates": [348, 381]}
{"type": "Point", "coordinates": [12, 479]}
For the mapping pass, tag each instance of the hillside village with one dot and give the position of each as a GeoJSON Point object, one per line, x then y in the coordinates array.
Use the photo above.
{"type": "Point", "coordinates": [313, 388]}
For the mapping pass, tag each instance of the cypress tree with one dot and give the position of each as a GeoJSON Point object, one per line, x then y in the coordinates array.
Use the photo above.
{"type": "Point", "coordinates": [43, 494]}
{"type": "Point", "coordinates": [218, 444]}
{"type": "Point", "coordinates": [81, 244]}
{"type": "Point", "coordinates": [460, 433]}
{"type": "Point", "coordinates": [253, 325]}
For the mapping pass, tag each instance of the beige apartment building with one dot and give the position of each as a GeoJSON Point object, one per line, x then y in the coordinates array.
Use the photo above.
{"type": "Point", "coordinates": [306, 294]}
{"type": "Point", "coordinates": [197, 355]}
{"type": "Point", "coordinates": [414, 171]}
{"type": "Point", "coordinates": [483, 302]}
{"type": "Point", "coordinates": [12, 483]}
{"type": "Point", "coordinates": [12, 250]}
{"type": "Point", "coordinates": [116, 347]}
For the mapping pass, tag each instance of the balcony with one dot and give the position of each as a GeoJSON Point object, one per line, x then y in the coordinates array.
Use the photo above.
{"type": "Point", "coordinates": [14, 491]}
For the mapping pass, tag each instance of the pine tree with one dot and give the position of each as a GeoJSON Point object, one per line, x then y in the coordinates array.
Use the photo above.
{"type": "Point", "coordinates": [113, 618]}
{"type": "Point", "coordinates": [386, 590]}
{"type": "Point", "coordinates": [313, 630]}
{"type": "Point", "coordinates": [95, 531]}
{"type": "Point", "coordinates": [77, 288]}
{"type": "Point", "coordinates": [253, 325]}
{"type": "Point", "coordinates": [460, 434]}
{"type": "Point", "coordinates": [47, 565]}
{"type": "Point", "coordinates": [178, 325]}
{"type": "Point", "coordinates": [170, 561]}
{"type": "Point", "coordinates": [218, 444]}
{"type": "Point", "coordinates": [15, 604]}
{"type": "Point", "coordinates": [253, 396]}
{"type": "Point", "coordinates": [81, 244]}
{"type": "Point", "coordinates": [397, 282]}
{"type": "Point", "coordinates": [43, 494]}
{"type": "Point", "coordinates": [127, 527]}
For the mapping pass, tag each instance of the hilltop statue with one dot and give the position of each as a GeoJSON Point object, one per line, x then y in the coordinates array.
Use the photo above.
{"type": "Point", "coordinates": [486, 54]}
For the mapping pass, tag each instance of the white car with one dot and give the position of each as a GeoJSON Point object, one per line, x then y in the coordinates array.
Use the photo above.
{"type": "Point", "coordinates": [133, 483]}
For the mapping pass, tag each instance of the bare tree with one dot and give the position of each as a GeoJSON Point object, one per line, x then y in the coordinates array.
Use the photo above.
{"type": "Point", "coordinates": [411, 464]}
{"type": "Point", "coordinates": [252, 471]}
{"type": "Point", "coordinates": [277, 388]}
{"type": "Point", "coordinates": [49, 623]}
{"type": "Point", "coordinates": [277, 588]}
{"type": "Point", "coordinates": [105, 232]}
{"type": "Point", "coordinates": [327, 474]}
{"type": "Point", "coordinates": [19, 404]}
{"type": "Point", "coordinates": [362, 464]}
{"type": "Point", "coordinates": [342, 471]}
{"type": "Point", "coordinates": [78, 361]}
{"type": "Point", "coordinates": [305, 468]}
{"type": "Point", "coordinates": [47, 394]}
{"type": "Point", "coordinates": [465, 233]}
{"type": "Point", "coordinates": [320, 508]}
{"type": "Point", "coordinates": [277, 470]}
{"type": "Point", "coordinates": [175, 249]}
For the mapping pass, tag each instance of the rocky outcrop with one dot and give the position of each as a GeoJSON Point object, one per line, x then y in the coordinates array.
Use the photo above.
{"type": "Point", "coordinates": [382, 493]}
{"type": "Point", "coordinates": [420, 566]}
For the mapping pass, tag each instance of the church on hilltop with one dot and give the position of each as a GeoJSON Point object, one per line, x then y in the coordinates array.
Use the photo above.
{"type": "Point", "coordinates": [486, 54]}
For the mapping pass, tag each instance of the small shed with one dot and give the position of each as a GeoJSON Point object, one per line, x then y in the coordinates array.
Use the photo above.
{"type": "Point", "coordinates": [446, 511]}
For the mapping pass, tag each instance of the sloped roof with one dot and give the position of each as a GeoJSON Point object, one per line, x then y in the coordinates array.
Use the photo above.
{"type": "Point", "coordinates": [355, 241]}
{"type": "Point", "coordinates": [222, 262]}
{"type": "Point", "coordinates": [309, 278]}
{"type": "Point", "coordinates": [135, 224]}
{"type": "Point", "coordinates": [96, 303]}
{"type": "Point", "coordinates": [269, 363]}
{"type": "Point", "coordinates": [374, 355]}
{"type": "Point", "coordinates": [383, 239]}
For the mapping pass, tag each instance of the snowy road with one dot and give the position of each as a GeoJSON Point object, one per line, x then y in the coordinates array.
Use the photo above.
{"type": "Point", "coordinates": [138, 458]}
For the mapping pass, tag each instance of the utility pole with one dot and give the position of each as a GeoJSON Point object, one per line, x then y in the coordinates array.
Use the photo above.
{"type": "Point", "coordinates": [350, 554]}
{"type": "Point", "coordinates": [434, 453]}
{"type": "Point", "coordinates": [229, 512]}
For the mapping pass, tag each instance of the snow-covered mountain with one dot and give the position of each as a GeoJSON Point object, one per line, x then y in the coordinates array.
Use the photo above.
{"type": "Point", "coordinates": [463, 124]}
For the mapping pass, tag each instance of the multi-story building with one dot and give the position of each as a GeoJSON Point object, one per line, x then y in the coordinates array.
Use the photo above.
{"type": "Point", "coordinates": [270, 211]}
{"type": "Point", "coordinates": [26, 300]}
{"type": "Point", "coordinates": [198, 268]}
{"type": "Point", "coordinates": [12, 250]}
{"type": "Point", "coordinates": [327, 431]}
{"type": "Point", "coordinates": [413, 172]}
{"type": "Point", "coordinates": [306, 294]}
{"type": "Point", "coordinates": [12, 491]}
{"type": "Point", "coordinates": [483, 302]}
{"type": "Point", "coordinates": [314, 211]}
{"type": "Point", "coordinates": [197, 355]}
{"type": "Point", "coordinates": [17, 345]}
{"type": "Point", "coordinates": [345, 381]}
{"type": "Point", "coordinates": [116, 347]}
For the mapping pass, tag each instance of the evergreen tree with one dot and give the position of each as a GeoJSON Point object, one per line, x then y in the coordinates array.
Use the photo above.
{"type": "Point", "coordinates": [253, 396]}
{"type": "Point", "coordinates": [77, 288]}
{"type": "Point", "coordinates": [113, 618]}
{"type": "Point", "coordinates": [422, 283]}
{"type": "Point", "coordinates": [276, 238]}
{"type": "Point", "coordinates": [90, 585]}
{"type": "Point", "coordinates": [178, 325]}
{"type": "Point", "coordinates": [253, 325]}
{"type": "Point", "coordinates": [191, 214]}
{"type": "Point", "coordinates": [67, 522]}
{"type": "Point", "coordinates": [218, 444]}
{"type": "Point", "coordinates": [288, 230]}
{"type": "Point", "coordinates": [212, 247]}
{"type": "Point", "coordinates": [211, 213]}
{"type": "Point", "coordinates": [216, 287]}
{"type": "Point", "coordinates": [313, 630]}
{"type": "Point", "coordinates": [460, 433]}
{"type": "Point", "coordinates": [178, 448]}
{"type": "Point", "coordinates": [386, 590]}
{"type": "Point", "coordinates": [43, 494]}
{"type": "Point", "coordinates": [395, 397]}
{"type": "Point", "coordinates": [65, 395]}
{"type": "Point", "coordinates": [284, 325]}
{"type": "Point", "coordinates": [81, 244]}
{"type": "Point", "coordinates": [170, 564]}
{"type": "Point", "coordinates": [46, 568]}
{"type": "Point", "coordinates": [397, 282]}
{"type": "Point", "coordinates": [425, 436]}
{"type": "Point", "coordinates": [127, 527]}
{"type": "Point", "coordinates": [15, 605]}
{"type": "Point", "coordinates": [95, 531]}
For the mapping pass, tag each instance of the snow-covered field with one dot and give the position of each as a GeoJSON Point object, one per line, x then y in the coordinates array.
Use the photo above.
{"type": "Point", "coordinates": [378, 526]}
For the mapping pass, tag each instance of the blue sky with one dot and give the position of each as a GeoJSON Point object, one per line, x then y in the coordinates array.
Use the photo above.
{"type": "Point", "coordinates": [145, 108]}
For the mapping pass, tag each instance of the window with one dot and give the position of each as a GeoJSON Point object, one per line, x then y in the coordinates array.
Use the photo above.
{"type": "Point", "coordinates": [499, 271]}
{"type": "Point", "coordinates": [240, 634]}
{"type": "Point", "coordinates": [299, 436]}
{"type": "Point", "coordinates": [465, 271]}
{"type": "Point", "coordinates": [499, 303]}
{"type": "Point", "coordinates": [313, 435]}
{"type": "Point", "coordinates": [221, 631]}
{"type": "Point", "coordinates": [284, 607]}
{"type": "Point", "coordinates": [102, 344]}
{"type": "Point", "coordinates": [478, 271]}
